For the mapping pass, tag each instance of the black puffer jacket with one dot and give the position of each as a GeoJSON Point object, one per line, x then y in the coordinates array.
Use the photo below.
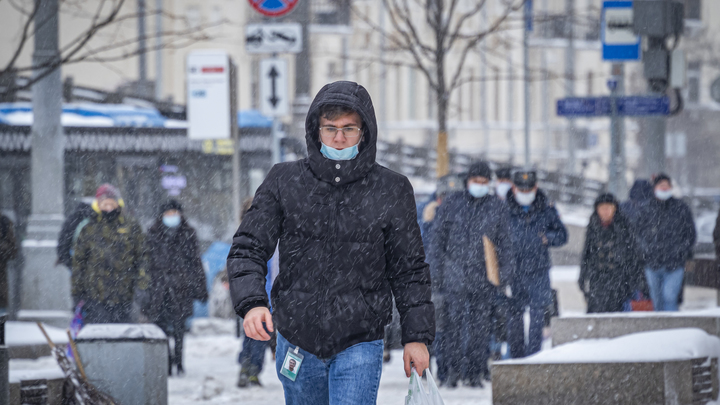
{"type": "Point", "coordinates": [176, 271]}
{"type": "Point", "coordinates": [349, 241]}
{"type": "Point", "coordinates": [456, 252]}
{"type": "Point", "coordinates": [611, 268]}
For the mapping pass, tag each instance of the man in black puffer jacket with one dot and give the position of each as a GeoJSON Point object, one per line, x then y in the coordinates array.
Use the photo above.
{"type": "Point", "coordinates": [457, 257]}
{"type": "Point", "coordinates": [349, 242]}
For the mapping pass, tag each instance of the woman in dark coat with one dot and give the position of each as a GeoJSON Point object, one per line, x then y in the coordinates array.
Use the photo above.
{"type": "Point", "coordinates": [176, 273]}
{"type": "Point", "coordinates": [610, 266]}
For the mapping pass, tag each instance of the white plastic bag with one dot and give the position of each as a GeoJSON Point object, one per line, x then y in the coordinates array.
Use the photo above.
{"type": "Point", "coordinates": [419, 395]}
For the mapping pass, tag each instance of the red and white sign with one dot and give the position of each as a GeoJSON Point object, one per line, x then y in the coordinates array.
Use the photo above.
{"type": "Point", "coordinates": [208, 95]}
{"type": "Point", "coordinates": [273, 8]}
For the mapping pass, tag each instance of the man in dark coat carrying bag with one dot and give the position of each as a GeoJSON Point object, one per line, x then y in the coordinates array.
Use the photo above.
{"type": "Point", "coordinates": [348, 241]}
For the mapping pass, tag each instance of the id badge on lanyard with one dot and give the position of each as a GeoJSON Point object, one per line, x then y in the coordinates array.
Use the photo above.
{"type": "Point", "coordinates": [292, 363]}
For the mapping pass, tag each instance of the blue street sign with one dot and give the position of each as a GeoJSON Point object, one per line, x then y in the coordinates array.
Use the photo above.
{"type": "Point", "coordinates": [619, 42]}
{"type": "Point", "coordinates": [632, 106]}
{"type": "Point", "coordinates": [528, 15]}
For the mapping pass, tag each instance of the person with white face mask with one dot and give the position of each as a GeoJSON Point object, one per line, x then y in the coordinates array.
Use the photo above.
{"type": "Point", "coordinates": [666, 237]}
{"type": "Point", "coordinates": [461, 281]}
{"type": "Point", "coordinates": [503, 184]}
{"type": "Point", "coordinates": [535, 227]}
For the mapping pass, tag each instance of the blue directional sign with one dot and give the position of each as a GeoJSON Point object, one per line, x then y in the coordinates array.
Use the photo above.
{"type": "Point", "coordinates": [631, 106]}
{"type": "Point", "coordinates": [619, 42]}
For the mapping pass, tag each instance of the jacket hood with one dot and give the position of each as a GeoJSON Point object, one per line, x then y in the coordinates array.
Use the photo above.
{"type": "Point", "coordinates": [641, 190]}
{"type": "Point", "coordinates": [354, 96]}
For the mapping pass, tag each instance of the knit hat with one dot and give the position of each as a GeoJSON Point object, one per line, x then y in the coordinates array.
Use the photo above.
{"type": "Point", "coordinates": [171, 205]}
{"type": "Point", "coordinates": [107, 191]}
{"type": "Point", "coordinates": [479, 169]}
{"type": "Point", "coordinates": [606, 198]}
{"type": "Point", "coordinates": [504, 173]}
{"type": "Point", "coordinates": [660, 177]}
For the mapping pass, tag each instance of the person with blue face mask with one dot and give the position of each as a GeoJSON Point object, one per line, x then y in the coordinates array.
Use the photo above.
{"type": "Point", "coordinates": [535, 227]}
{"type": "Point", "coordinates": [666, 237]}
{"type": "Point", "coordinates": [349, 244]}
{"type": "Point", "coordinates": [462, 288]}
{"type": "Point", "coordinates": [177, 277]}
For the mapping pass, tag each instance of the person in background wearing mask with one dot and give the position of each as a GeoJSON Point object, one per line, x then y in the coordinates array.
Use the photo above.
{"type": "Point", "coordinates": [349, 243]}
{"type": "Point", "coordinates": [535, 227]}
{"type": "Point", "coordinates": [666, 237]}
{"type": "Point", "coordinates": [503, 182]}
{"type": "Point", "coordinates": [610, 268]}
{"type": "Point", "coordinates": [177, 276]}
{"type": "Point", "coordinates": [457, 258]}
{"type": "Point", "coordinates": [109, 264]}
{"type": "Point", "coordinates": [8, 251]}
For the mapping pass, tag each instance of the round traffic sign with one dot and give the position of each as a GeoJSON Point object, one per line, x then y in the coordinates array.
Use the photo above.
{"type": "Point", "coordinates": [273, 8]}
{"type": "Point", "coordinates": [715, 90]}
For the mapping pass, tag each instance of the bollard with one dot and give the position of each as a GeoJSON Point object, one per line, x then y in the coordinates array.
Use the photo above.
{"type": "Point", "coordinates": [127, 361]}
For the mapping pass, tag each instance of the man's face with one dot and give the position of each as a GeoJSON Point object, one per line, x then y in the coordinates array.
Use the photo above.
{"type": "Point", "coordinates": [108, 204]}
{"type": "Point", "coordinates": [291, 365]}
{"type": "Point", "coordinates": [606, 212]}
{"type": "Point", "coordinates": [339, 140]}
{"type": "Point", "coordinates": [663, 186]}
{"type": "Point", "coordinates": [478, 180]}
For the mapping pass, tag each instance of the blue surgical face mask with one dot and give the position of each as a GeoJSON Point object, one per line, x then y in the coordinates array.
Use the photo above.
{"type": "Point", "coordinates": [478, 190]}
{"type": "Point", "coordinates": [339, 154]}
{"type": "Point", "coordinates": [171, 221]}
{"type": "Point", "coordinates": [663, 194]}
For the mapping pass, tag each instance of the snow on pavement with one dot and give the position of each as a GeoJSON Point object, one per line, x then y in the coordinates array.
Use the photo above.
{"type": "Point", "coordinates": [212, 370]}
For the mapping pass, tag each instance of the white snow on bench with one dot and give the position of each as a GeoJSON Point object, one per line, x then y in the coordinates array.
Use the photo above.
{"type": "Point", "coordinates": [121, 331]}
{"type": "Point", "coordinates": [28, 334]}
{"type": "Point", "coordinates": [656, 346]}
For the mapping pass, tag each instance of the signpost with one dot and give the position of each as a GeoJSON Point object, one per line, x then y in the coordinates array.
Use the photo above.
{"type": "Point", "coordinates": [619, 42]}
{"type": "Point", "coordinates": [208, 95]}
{"type": "Point", "coordinates": [273, 8]}
{"type": "Point", "coordinates": [273, 38]}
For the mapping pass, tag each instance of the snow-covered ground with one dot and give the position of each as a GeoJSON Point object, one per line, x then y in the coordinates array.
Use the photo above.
{"type": "Point", "coordinates": [211, 373]}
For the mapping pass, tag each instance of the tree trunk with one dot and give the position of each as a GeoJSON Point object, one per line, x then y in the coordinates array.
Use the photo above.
{"type": "Point", "coordinates": [443, 155]}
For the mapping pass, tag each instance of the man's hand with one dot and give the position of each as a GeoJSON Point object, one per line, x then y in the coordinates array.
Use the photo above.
{"type": "Point", "coordinates": [416, 355]}
{"type": "Point", "coordinates": [253, 323]}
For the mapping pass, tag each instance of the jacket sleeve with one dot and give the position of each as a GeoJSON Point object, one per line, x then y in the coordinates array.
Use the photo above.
{"type": "Point", "coordinates": [65, 241]}
{"type": "Point", "coordinates": [504, 247]}
{"type": "Point", "coordinates": [79, 265]}
{"type": "Point", "coordinates": [437, 246]}
{"type": "Point", "coordinates": [142, 260]}
{"type": "Point", "coordinates": [253, 245]}
{"type": "Point", "coordinates": [584, 260]}
{"type": "Point", "coordinates": [199, 281]}
{"type": "Point", "coordinates": [408, 274]}
{"type": "Point", "coordinates": [689, 234]}
{"type": "Point", "coordinates": [8, 244]}
{"type": "Point", "coordinates": [556, 233]}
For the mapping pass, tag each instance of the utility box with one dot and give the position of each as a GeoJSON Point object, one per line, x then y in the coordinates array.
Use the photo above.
{"type": "Point", "coordinates": [127, 361]}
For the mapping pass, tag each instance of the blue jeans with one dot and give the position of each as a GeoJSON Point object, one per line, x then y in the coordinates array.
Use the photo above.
{"type": "Point", "coordinates": [252, 356]}
{"type": "Point", "coordinates": [665, 286]}
{"type": "Point", "coordinates": [351, 377]}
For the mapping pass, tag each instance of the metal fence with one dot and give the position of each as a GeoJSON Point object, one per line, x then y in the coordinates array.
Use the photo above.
{"type": "Point", "coordinates": [419, 162]}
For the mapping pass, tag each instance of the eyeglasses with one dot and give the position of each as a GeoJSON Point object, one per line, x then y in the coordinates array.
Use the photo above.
{"type": "Point", "coordinates": [348, 132]}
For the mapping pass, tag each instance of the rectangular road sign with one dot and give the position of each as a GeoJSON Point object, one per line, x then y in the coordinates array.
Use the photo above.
{"type": "Point", "coordinates": [631, 106]}
{"type": "Point", "coordinates": [208, 95]}
{"type": "Point", "coordinates": [274, 87]}
{"type": "Point", "coordinates": [619, 42]}
{"type": "Point", "coordinates": [273, 38]}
